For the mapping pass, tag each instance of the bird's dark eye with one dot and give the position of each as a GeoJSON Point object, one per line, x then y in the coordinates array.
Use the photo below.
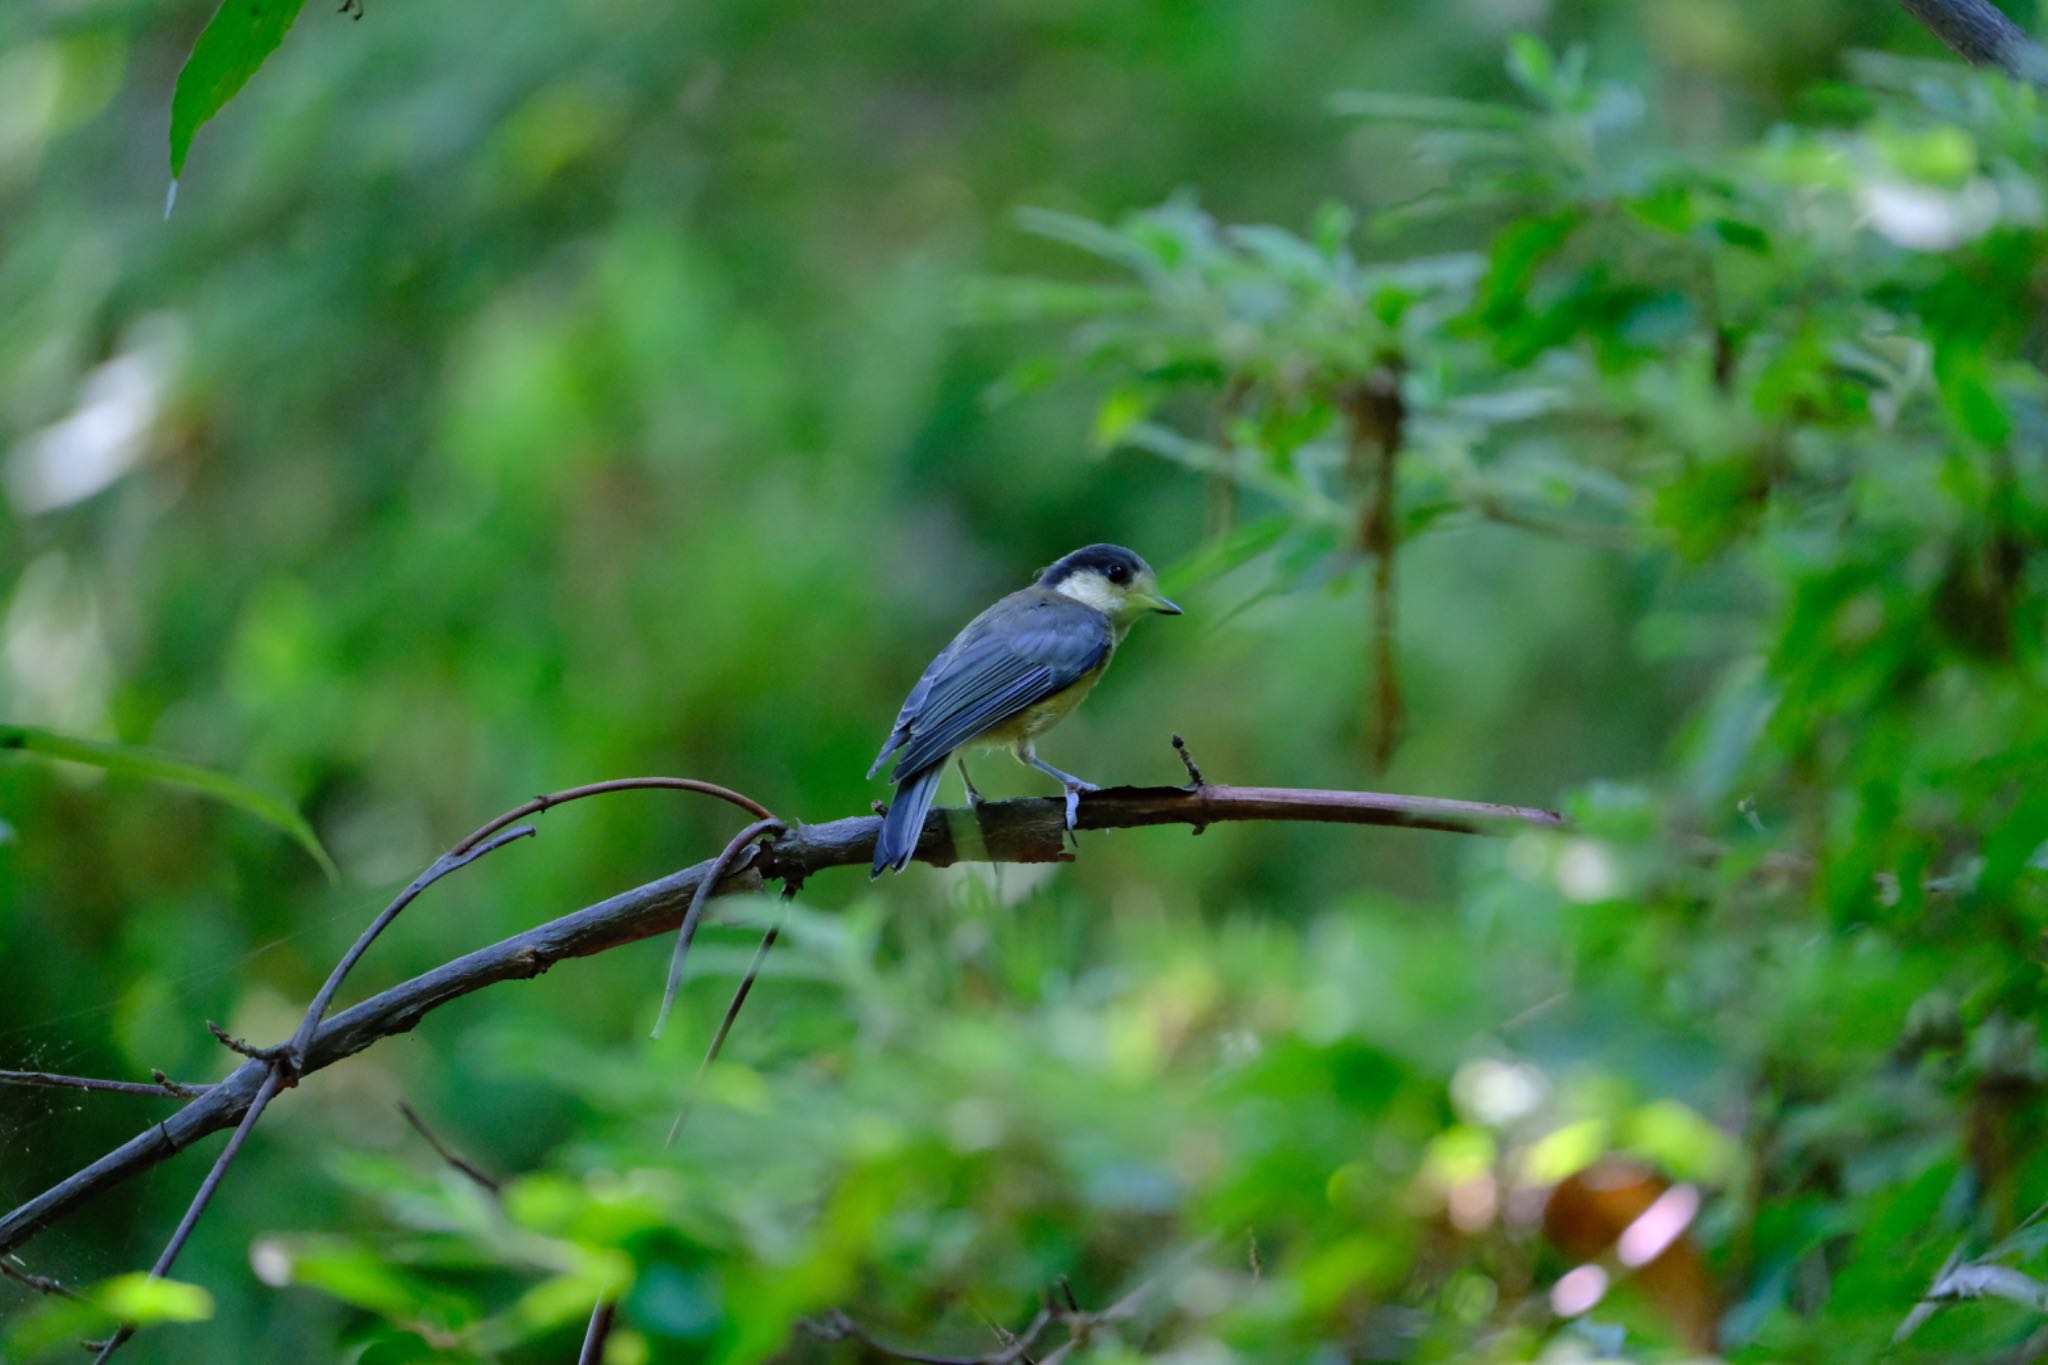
{"type": "Point", "coordinates": [1118, 573]}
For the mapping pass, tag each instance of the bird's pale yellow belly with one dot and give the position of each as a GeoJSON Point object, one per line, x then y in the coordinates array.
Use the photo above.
{"type": "Point", "coordinates": [1034, 721]}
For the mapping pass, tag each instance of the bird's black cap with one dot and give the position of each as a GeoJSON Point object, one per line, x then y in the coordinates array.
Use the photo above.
{"type": "Point", "coordinates": [1113, 562]}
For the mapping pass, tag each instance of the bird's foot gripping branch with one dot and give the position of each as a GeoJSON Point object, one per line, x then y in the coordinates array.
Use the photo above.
{"type": "Point", "coordinates": [1033, 830]}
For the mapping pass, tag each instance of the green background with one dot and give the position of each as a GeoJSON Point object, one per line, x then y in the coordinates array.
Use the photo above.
{"type": "Point", "coordinates": [526, 395]}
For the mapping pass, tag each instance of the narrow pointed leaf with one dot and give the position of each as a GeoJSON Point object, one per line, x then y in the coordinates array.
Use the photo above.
{"type": "Point", "coordinates": [241, 34]}
{"type": "Point", "coordinates": [126, 761]}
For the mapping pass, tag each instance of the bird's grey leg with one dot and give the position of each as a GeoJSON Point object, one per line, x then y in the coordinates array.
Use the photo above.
{"type": "Point", "coordinates": [1065, 779]}
{"type": "Point", "coordinates": [1074, 786]}
{"type": "Point", "coordinates": [973, 795]}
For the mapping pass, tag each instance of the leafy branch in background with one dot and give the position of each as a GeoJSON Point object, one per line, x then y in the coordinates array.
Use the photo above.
{"type": "Point", "coordinates": [1800, 377]}
{"type": "Point", "coordinates": [124, 760]}
{"type": "Point", "coordinates": [1782, 363]}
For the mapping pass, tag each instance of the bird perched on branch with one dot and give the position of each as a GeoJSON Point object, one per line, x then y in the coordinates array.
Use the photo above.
{"type": "Point", "coordinates": [1010, 676]}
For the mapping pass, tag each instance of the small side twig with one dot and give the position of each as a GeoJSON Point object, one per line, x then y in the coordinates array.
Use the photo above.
{"type": "Point", "coordinates": [442, 1150]}
{"type": "Point", "coordinates": [1081, 1327]}
{"type": "Point", "coordinates": [41, 1284]}
{"type": "Point", "coordinates": [732, 1012]}
{"type": "Point", "coordinates": [1187, 760]}
{"type": "Point", "coordinates": [594, 1336]}
{"type": "Point", "coordinates": [616, 784]}
{"type": "Point", "coordinates": [242, 1046]}
{"type": "Point", "coordinates": [720, 867]}
{"type": "Point", "coordinates": [160, 1087]}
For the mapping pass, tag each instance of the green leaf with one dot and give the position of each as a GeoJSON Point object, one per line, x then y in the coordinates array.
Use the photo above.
{"type": "Point", "coordinates": [361, 1275]}
{"type": "Point", "coordinates": [143, 1299]}
{"type": "Point", "coordinates": [1085, 234]}
{"type": "Point", "coordinates": [1532, 67]}
{"type": "Point", "coordinates": [135, 1298]}
{"type": "Point", "coordinates": [235, 42]}
{"type": "Point", "coordinates": [126, 761]}
{"type": "Point", "coordinates": [1518, 252]}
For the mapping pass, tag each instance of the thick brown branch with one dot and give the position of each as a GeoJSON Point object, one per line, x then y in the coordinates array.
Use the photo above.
{"type": "Point", "coordinates": [1001, 831]}
{"type": "Point", "coordinates": [1034, 830]}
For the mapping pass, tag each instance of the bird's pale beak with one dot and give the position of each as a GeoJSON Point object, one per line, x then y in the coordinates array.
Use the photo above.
{"type": "Point", "coordinates": [1162, 606]}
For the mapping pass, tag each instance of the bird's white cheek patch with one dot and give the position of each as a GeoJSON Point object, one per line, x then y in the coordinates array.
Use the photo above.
{"type": "Point", "coordinates": [1093, 590]}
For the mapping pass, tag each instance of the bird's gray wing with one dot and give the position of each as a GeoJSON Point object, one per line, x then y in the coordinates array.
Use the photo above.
{"type": "Point", "coordinates": [899, 733]}
{"type": "Point", "coordinates": [1024, 649]}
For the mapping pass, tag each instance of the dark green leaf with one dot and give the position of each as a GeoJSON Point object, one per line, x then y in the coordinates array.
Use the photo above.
{"type": "Point", "coordinates": [241, 34]}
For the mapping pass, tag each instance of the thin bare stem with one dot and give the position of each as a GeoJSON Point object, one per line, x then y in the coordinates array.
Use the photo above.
{"type": "Point", "coordinates": [1580, 532]}
{"type": "Point", "coordinates": [616, 784]}
{"type": "Point", "coordinates": [462, 856]}
{"type": "Point", "coordinates": [732, 1012]}
{"type": "Point", "coordinates": [160, 1089]}
{"type": "Point", "coordinates": [688, 931]}
{"type": "Point", "coordinates": [595, 1335]}
{"type": "Point", "coordinates": [442, 1150]}
{"type": "Point", "coordinates": [42, 1284]}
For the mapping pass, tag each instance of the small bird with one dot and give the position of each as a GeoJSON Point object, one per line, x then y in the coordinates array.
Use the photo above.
{"type": "Point", "coordinates": [1010, 676]}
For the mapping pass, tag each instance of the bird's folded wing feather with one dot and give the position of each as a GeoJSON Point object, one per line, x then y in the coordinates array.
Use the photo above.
{"type": "Point", "coordinates": [899, 733]}
{"type": "Point", "coordinates": [1018, 653]}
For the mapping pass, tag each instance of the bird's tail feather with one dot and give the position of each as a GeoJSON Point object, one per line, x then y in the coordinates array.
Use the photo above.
{"type": "Point", "coordinates": [904, 824]}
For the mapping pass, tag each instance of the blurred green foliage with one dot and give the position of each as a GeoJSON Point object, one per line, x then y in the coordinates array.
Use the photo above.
{"type": "Point", "coordinates": [519, 398]}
